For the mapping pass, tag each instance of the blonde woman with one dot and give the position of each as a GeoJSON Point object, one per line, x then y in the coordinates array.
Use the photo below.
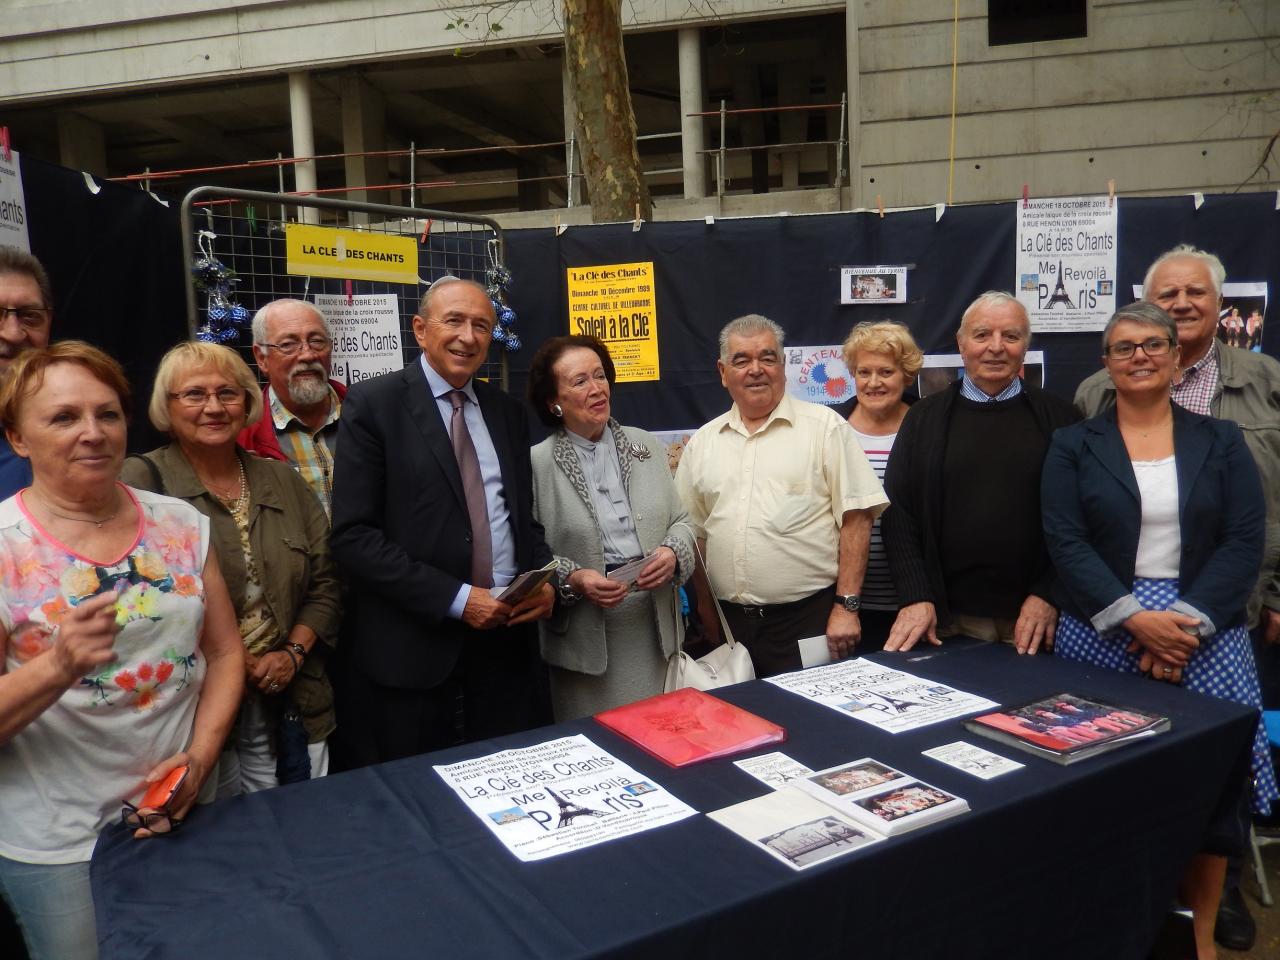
{"type": "Point", "coordinates": [884, 360]}
{"type": "Point", "coordinates": [272, 537]}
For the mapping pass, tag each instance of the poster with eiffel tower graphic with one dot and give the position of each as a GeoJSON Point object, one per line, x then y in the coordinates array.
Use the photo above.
{"type": "Point", "coordinates": [559, 796]}
{"type": "Point", "coordinates": [1065, 270]}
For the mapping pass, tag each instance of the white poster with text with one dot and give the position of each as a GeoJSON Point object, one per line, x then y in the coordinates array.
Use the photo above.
{"type": "Point", "coordinates": [1066, 264]}
{"type": "Point", "coordinates": [560, 796]}
{"type": "Point", "coordinates": [13, 204]}
{"type": "Point", "coordinates": [366, 334]}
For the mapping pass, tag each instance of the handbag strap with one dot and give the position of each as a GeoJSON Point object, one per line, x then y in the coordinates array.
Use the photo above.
{"type": "Point", "coordinates": [725, 632]}
{"type": "Point", "coordinates": [157, 481]}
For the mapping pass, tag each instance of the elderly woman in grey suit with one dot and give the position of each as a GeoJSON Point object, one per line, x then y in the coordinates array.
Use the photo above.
{"type": "Point", "coordinates": [605, 496]}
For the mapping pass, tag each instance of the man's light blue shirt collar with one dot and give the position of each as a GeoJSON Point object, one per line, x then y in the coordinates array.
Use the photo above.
{"type": "Point", "coordinates": [440, 386]}
{"type": "Point", "coordinates": [971, 391]}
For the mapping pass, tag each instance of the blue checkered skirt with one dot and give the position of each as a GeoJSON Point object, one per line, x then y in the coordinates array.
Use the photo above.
{"type": "Point", "coordinates": [1223, 668]}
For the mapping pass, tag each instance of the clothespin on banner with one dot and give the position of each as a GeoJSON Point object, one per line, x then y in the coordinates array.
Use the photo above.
{"type": "Point", "coordinates": [1199, 200]}
{"type": "Point", "coordinates": [1111, 193]}
{"type": "Point", "coordinates": [938, 210]}
{"type": "Point", "coordinates": [347, 284]}
{"type": "Point", "coordinates": [253, 218]}
{"type": "Point", "coordinates": [1278, 199]}
{"type": "Point", "coordinates": [637, 222]}
{"type": "Point", "coordinates": [560, 227]}
{"type": "Point", "coordinates": [426, 232]}
{"type": "Point", "coordinates": [1026, 193]}
{"type": "Point", "coordinates": [4, 143]}
{"type": "Point", "coordinates": [880, 205]}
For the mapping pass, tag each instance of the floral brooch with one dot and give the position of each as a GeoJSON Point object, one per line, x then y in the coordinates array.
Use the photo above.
{"type": "Point", "coordinates": [640, 452]}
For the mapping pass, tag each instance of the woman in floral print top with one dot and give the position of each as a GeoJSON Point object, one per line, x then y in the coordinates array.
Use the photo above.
{"type": "Point", "coordinates": [120, 653]}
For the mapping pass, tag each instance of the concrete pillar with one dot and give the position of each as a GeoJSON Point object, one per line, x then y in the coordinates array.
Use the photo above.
{"type": "Point", "coordinates": [570, 128]}
{"type": "Point", "coordinates": [746, 95]}
{"type": "Point", "coordinates": [692, 101]}
{"type": "Point", "coordinates": [304, 144]}
{"type": "Point", "coordinates": [793, 126]}
{"type": "Point", "coordinates": [853, 122]}
{"type": "Point", "coordinates": [364, 128]}
{"type": "Point", "coordinates": [81, 144]}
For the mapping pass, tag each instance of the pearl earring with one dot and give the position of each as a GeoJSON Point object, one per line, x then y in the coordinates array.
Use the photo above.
{"type": "Point", "coordinates": [557, 410]}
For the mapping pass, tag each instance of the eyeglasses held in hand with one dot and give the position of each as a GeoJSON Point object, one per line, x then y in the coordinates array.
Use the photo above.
{"type": "Point", "coordinates": [157, 821]}
{"type": "Point", "coordinates": [292, 347]}
{"type": "Point", "coordinates": [1152, 347]}
{"type": "Point", "coordinates": [198, 397]}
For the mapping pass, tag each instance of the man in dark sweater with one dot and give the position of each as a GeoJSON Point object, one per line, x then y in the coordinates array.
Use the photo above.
{"type": "Point", "coordinates": [963, 526]}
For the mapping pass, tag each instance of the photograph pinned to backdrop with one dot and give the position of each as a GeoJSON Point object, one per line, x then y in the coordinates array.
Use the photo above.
{"type": "Point", "coordinates": [940, 370]}
{"type": "Point", "coordinates": [1241, 316]}
{"type": "Point", "coordinates": [881, 284]}
{"type": "Point", "coordinates": [674, 441]}
{"type": "Point", "coordinates": [818, 374]}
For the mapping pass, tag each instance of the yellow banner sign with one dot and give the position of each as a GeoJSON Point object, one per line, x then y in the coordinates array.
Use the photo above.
{"type": "Point", "coordinates": [617, 302]}
{"type": "Point", "coordinates": [350, 254]}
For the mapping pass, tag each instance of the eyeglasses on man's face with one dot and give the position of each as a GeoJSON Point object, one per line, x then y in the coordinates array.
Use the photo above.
{"type": "Point", "coordinates": [27, 316]}
{"type": "Point", "coordinates": [198, 397]}
{"type": "Point", "coordinates": [292, 346]}
{"type": "Point", "coordinates": [1152, 347]}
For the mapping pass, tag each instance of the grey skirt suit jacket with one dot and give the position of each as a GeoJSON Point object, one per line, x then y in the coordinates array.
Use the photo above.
{"type": "Point", "coordinates": [574, 637]}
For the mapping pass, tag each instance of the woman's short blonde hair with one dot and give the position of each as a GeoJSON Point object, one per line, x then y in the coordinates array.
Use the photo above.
{"type": "Point", "coordinates": [185, 359]}
{"type": "Point", "coordinates": [885, 337]}
{"type": "Point", "coordinates": [26, 376]}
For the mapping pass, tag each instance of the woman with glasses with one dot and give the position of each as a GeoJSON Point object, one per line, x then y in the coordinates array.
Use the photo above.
{"type": "Point", "coordinates": [121, 661]}
{"type": "Point", "coordinates": [272, 537]}
{"type": "Point", "coordinates": [605, 495]}
{"type": "Point", "coordinates": [1154, 519]}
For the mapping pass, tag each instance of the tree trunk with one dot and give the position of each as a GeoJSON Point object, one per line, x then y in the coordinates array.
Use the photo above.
{"type": "Point", "coordinates": [606, 121]}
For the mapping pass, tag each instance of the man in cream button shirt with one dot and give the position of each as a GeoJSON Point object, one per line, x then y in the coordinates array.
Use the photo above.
{"type": "Point", "coordinates": [782, 498]}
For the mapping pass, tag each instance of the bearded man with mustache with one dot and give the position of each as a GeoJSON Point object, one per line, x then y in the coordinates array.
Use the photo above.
{"type": "Point", "coordinates": [294, 351]}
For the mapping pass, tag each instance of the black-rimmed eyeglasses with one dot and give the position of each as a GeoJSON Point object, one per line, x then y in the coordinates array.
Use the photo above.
{"type": "Point", "coordinates": [157, 821]}
{"type": "Point", "coordinates": [1152, 347]}
{"type": "Point", "coordinates": [27, 316]}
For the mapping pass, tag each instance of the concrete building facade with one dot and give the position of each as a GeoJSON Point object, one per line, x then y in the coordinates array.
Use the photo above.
{"type": "Point", "coordinates": [1161, 96]}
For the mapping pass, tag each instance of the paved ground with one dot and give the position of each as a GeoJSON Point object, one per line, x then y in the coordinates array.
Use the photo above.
{"type": "Point", "coordinates": [1268, 918]}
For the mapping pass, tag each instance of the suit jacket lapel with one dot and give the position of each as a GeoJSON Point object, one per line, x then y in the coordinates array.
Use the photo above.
{"type": "Point", "coordinates": [1192, 439]}
{"type": "Point", "coordinates": [1105, 442]}
{"type": "Point", "coordinates": [425, 414]}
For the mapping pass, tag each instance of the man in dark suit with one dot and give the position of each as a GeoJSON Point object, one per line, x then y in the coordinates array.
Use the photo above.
{"type": "Point", "coordinates": [431, 508]}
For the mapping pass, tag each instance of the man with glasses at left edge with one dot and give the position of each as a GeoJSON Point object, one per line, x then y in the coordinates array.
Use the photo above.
{"type": "Point", "coordinates": [294, 351]}
{"type": "Point", "coordinates": [26, 300]}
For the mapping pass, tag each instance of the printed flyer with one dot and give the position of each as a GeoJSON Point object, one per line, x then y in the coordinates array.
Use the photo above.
{"type": "Point", "coordinates": [617, 302]}
{"type": "Point", "coordinates": [560, 796]}
{"type": "Point", "coordinates": [366, 334]}
{"type": "Point", "coordinates": [1066, 262]}
{"type": "Point", "coordinates": [889, 699]}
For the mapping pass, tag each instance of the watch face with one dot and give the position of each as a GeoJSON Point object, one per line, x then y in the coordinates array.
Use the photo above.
{"type": "Point", "coordinates": [851, 603]}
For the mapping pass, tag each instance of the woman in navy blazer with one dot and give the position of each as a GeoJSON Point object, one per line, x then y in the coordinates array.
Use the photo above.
{"type": "Point", "coordinates": [1154, 518]}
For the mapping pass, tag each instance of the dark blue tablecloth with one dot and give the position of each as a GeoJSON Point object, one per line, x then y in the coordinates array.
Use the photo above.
{"type": "Point", "coordinates": [1052, 861]}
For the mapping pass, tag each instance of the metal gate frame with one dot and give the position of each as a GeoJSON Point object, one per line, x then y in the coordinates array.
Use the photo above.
{"type": "Point", "coordinates": [283, 201]}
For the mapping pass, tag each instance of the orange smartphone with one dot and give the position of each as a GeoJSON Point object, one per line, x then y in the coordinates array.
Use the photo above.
{"type": "Point", "coordinates": [162, 791]}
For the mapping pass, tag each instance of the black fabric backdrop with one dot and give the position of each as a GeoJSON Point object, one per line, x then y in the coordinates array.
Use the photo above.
{"type": "Point", "coordinates": [114, 259]}
{"type": "Point", "coordinates": [788, 269]}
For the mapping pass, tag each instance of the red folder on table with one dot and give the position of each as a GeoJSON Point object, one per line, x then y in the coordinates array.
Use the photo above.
{"type": "Point", "coordinates": [688, 726]}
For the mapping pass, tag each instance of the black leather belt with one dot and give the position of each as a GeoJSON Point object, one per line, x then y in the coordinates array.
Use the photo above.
{"type": "Point", "coordinates": [763, 610]}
